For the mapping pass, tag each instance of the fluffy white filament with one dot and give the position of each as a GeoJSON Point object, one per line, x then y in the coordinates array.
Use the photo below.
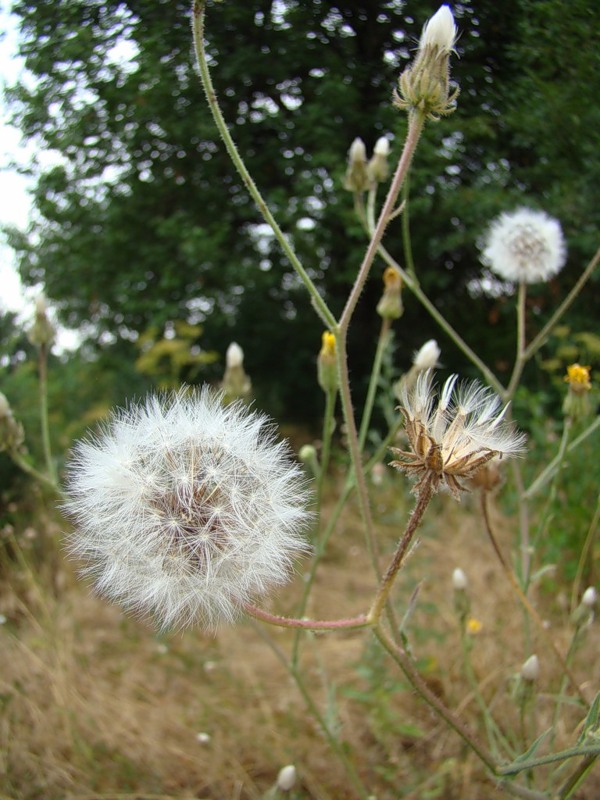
{"type": "Point", "coordinates": [185, 508]}
{"type": "Point", "coordinates": [524, 246]}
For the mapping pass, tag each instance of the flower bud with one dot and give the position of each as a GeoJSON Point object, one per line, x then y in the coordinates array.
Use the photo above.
{"type": "Point", "coordinates": [459, 580]}
{"type": "Point", "coordinates": [390, 305]}
{"type": "Point", "coordinates": [327, 374]}
{"type": "Point", "coordinates": [427, 357]}
{"type": "Point", "coordinates": [356, 178]}
{"type": "Point", "coordinates": [42, 332]}
{"type": "Point", "coordinates": [590, 597]}
{"type": "Point", "coordinates": [377, 168]}
{"type": "Point", "coordinates": [425, 85]}
{"type": "Point", "coordinates": [530, 671]}
{"type": "Point", "coordinates": [236, 384]}
{"type": "Point", "coordinates": [286, 779]}
{"type": "Point", "coordinates": [577, 402]}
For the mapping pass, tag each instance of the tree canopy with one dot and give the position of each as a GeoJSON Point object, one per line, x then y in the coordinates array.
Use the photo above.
{"type": "Point", "coordinates": [141, 221]}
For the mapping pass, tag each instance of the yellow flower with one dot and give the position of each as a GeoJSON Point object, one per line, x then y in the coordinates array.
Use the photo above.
{"type": "Point", "coordinates": [474, 626]}
{"type": "Point", "coordinates": [578, 378]}
{"type": "Point", "coordinates": [328, 345]}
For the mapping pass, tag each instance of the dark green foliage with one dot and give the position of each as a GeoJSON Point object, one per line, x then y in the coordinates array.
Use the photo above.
{"type": "Point", "coordinates": [145, 221]}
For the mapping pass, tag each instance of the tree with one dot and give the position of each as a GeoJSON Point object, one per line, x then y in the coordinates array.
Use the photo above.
{"type": "Point", "coordinates": [144, 221]}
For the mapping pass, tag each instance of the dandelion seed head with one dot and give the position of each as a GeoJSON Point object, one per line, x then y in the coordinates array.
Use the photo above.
{"type": "Point", "coordinates": [524, 246]}
{"type": "Point", "coordinates": [186, 509]}
{"type": "Point", "coordinates": [452, 439]}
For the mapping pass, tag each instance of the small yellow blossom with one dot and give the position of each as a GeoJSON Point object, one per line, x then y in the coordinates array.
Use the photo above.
{"type": "Point", "coordinates": [474, 626]}
{"type": "Point", "coordinates": [578, 378]}
{"type": "Point", "coordinates": [326, 363]}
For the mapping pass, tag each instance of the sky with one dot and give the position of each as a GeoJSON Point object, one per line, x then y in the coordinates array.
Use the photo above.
{"type": "Point", "coordinates": [14, 201]}
{"type": "Point", "coordinates": [15, 204]}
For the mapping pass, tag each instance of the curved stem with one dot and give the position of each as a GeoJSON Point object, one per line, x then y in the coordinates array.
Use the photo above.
{"type": "Point", "coordinates": [330, 398]}
{"type": "Point", "coordinates": [49, 483]}
{"type": "Point", "coordinates": [407, 666]}
{"type": "Point", "coordinates": [415, 126]}
{"type": "Point", "coordinates": [522, 596]}
{"type": "Point", "coordinates": [360, 621]}
{"type": "Point", "coordinates": [423, 498]}
{"type": "Point", "coordinates": [541, 337]}
{"type": "Point", "coordinates": [585, 551]}
{"type": "Point", "coordinates": [546, 475]}
{"type": "Point", "coordinates": [415, 288]}
{"type": "Point", "coordinates": [202, 63]}
{"type": "Point", "coordinates": [382, 343]}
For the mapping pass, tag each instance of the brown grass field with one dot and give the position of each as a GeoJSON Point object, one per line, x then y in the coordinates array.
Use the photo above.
{"type": "Point", "coordinates": [96, 705]}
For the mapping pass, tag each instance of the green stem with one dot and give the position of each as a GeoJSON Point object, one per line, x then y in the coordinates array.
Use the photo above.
{"type": "Point", "coordinates": [43, 378]}
{"type": "Point", "coordinates": [585, 551]}
{"type": "Point", "coordinates": [382, 343]}
{"type": "Point", "coordinates": [494, 734]}
{"type": "Point", "coordinates": [406, 238]}
{"type": "Point", "coordinates": [549, 471]}
{"type": "Point", "coordinates": [330, 398]}
{"type": "Point", "coordinates": [520, 358]}
{"type": "Point", "coordinates": [202, 63]}
{"type": "Point", "coordinates": [415, 127]}
{"type": "Point", "coordinates": [49, 483]}
{"type": "Point", "coordinates": [541, 337]}
{"type": "Point", "coordinates": [551, 758]}
{"type": "Point", "coordinates": [415, 288]}
{"type": "Point", "coordinates": [331, 739]}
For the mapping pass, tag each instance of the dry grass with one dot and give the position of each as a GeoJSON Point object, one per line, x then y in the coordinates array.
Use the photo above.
{"type": "Point", "coordinates": [95, 705]}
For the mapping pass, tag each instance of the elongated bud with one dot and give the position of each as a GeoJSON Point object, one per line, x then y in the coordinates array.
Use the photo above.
{"type": "Point", "coordinates": [427, 356]}
{"type": "Point", "coordinates": [236, 384]}
{"type": "Point", "coordinates": [459, 580]}
{"type": "Point", "coordinates": [390, 306]}
{"type": "Point", "coordinates": [377, 168]}
{"type": "Point", "coordinates": [42, 332]}
{"type": "Point", "coordinates": [425, 86]}
{"type": "Point", "coordinates": [286, 780]}
{"type": "Point", "coordinates": [356, 178]}
{"type": "Point", "coordinates": [590, 597]}
{"type": "Point", "coordinates": [530, 671]}
{"type": "Point", "coordinates": [577, 401]}
{"type": "Point", "coordinates": [584, 613]}
{"type": "Point", "coordinates": [326, 363]}
{"type": "Point", "coordinates": [462, 602]}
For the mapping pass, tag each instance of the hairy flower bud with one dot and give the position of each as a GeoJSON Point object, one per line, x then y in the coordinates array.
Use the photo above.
{"type": "Point", "coordinates": [377, 168]}
{"type": "Point", "coordinates": [390, 305]}
{"type": "Point", "coordinates": [577, 401]}
{"type": "Point", "coordinates": [356, 178]}
{"type": "Point", "coordinates": [236, 384]}
{"type": "Point", "coordinates": [42, 332]}
{"type": "Point", "coordinates": [327, 373]}
{"type": "Point", "coordinates": [425, 86]}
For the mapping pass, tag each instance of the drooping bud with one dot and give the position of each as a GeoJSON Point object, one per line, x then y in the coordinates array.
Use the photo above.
{"type": "Point", "coordinates": [356, 178]}
{"type": "Point", "coordinates": [327, 374]}
{"type": "Point", "coordinates": [390, 305]}
{"type": "Point", "coordinates": [425, 85]}
{"type": "Point", "coordinates": [236, 384]}
{"type": "Point", "coordinates": [377, 168]}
